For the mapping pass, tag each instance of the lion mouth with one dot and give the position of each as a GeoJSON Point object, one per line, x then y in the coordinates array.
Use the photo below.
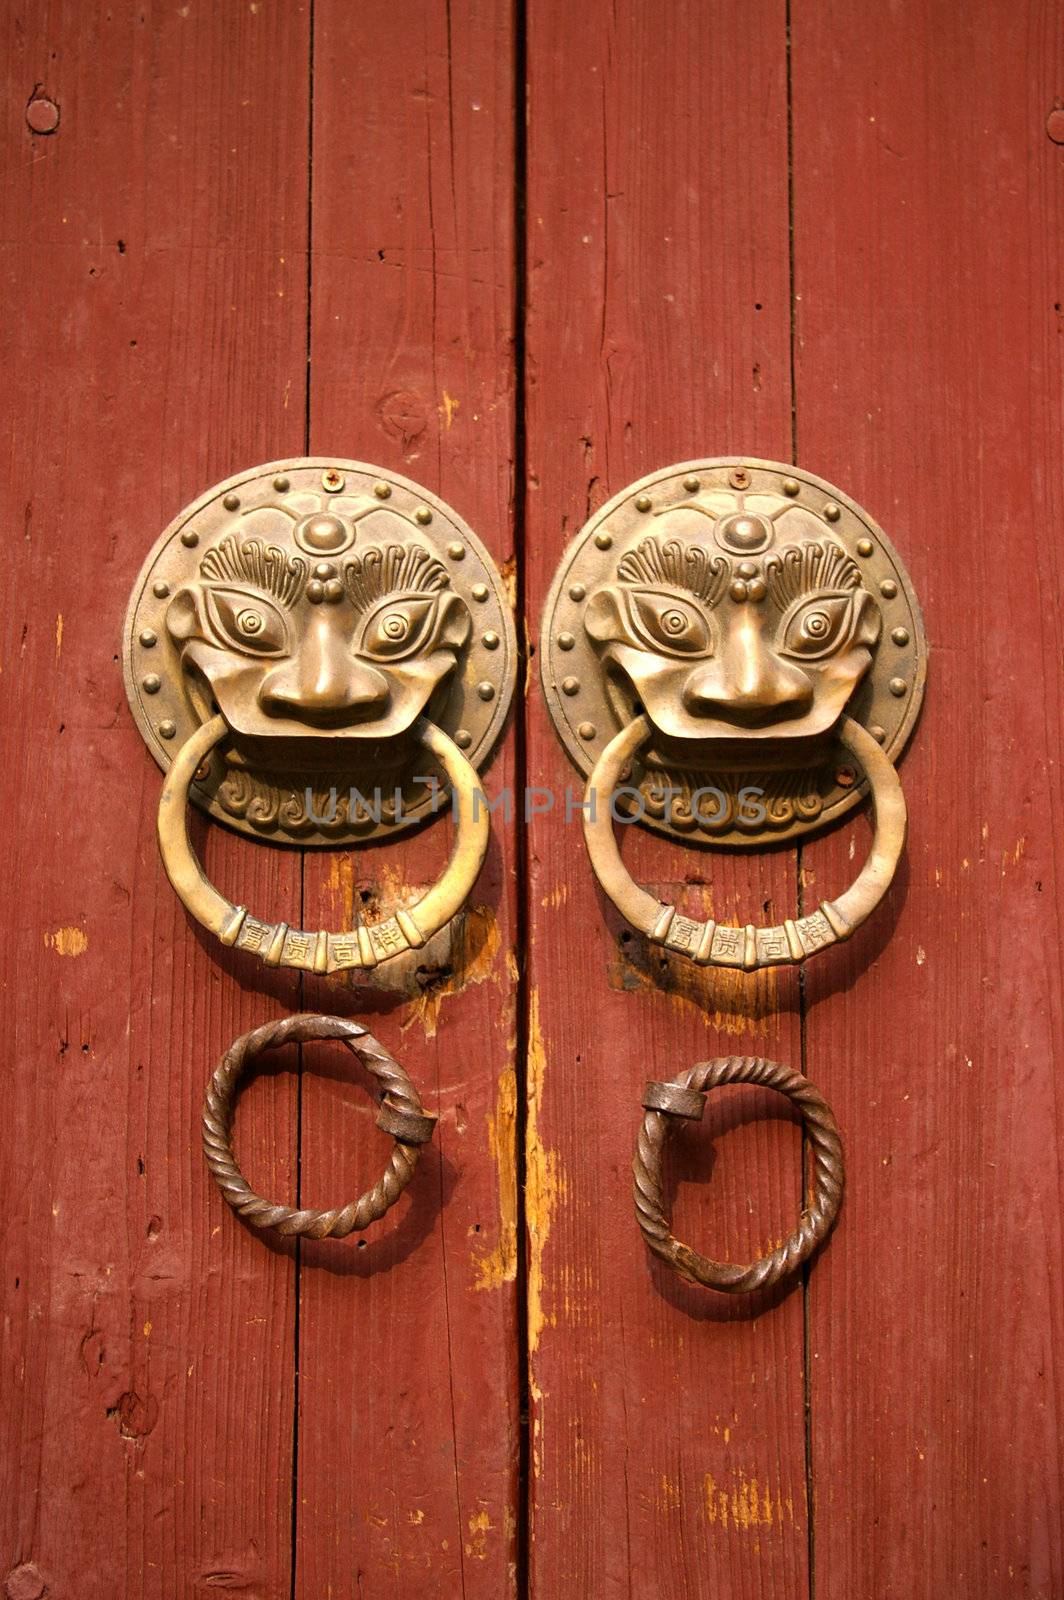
{"type": "Point", "coordinates": [319, 760]}
{"type": "Point", "coordinates": [730, 751]}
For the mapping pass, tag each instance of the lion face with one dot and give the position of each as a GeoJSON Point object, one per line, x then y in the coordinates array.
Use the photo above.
{"type": "Point", "coordinates": [734, 639]}
{"type": "Point", "coordinates": [311, 637]}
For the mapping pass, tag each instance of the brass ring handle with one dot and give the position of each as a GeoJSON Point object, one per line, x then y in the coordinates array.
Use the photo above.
{"type": "Point", "coordinates": [319, 951]}
{"type": "Point", "coordinates": [401, 1114]}
{"type": "Point", "coordinates": [708, 943]}
{"type": "Point", "coordinates": [685, 1096]}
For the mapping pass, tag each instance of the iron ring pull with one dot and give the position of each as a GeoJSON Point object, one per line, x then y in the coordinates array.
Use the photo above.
{"type": "Point", "coordinates": [684, 1097]}
{"type": "Point", "coordinates": [708, 943]}
{"type": "Point", "coordinates": [401, 1114]}
{"type": "Point", "coordinates": [318, 950]}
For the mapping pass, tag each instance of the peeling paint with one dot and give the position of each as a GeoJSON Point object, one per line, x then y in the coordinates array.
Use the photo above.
{"type": "Point", "coordinates": [474, 939]}
{"type": "Point", "coordinates": [448, 406]}
{"type": "Point", "coordinates": [745, 1504]}
{"type": "Point", "coordinates": [508, 574]}
{"type": "Point", "coordinates": [474, 946]}
{"type": "Point", "coordinates": [544, 1183]}
{"type": "Point", "coordinates": [58, 636]}
{"type": "Point", "coordinates": [341, 885]}
{"type": "Point", "coordinates": [67, 941]}
{"type": "Point", "coordinates": [480, 1525]}
{"type": "Point", "coordinates": [499, 1266]}
{"type": "Point", "coordinates": [729, 1000]}
{"type": "Point", "coordinates": [669, 1500]}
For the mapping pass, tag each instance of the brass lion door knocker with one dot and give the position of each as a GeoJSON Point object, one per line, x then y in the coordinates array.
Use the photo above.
{"type": "Point", "coordinates": [319, 653]}
{"type": "Point", "coordinates": [732, 652]}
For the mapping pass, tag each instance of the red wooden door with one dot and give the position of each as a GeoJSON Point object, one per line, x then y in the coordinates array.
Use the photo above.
{"type": "Point", "coordinates": [525, 256]}
{"type": "Point", "coordinates": [247, 238]}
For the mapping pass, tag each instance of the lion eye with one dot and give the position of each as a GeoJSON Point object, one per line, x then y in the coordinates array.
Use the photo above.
{"type": "Point", "coordinates": [399, 626]}
{"type": "Point", "coordinates": [669, 623]}
{"type": "Point", "coordinates": [246, 622]}
{"type": "Point", "coordinates": [817, 626]}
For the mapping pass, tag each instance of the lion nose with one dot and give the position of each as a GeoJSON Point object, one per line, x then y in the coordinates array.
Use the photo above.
{"type": "Point", "coordinates": [324, 684]}
{"type": "Point", "coordinates": [747, 682]}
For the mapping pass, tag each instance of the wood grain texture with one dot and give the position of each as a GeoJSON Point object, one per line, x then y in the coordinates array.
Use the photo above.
{"type": "Point", "coordinates": [667, 1444]}
{"type": "Point", "coordinates": [928, 239]}
{"type": "Point", "coordinates": [407, 1472]}
{"type": "Point", "coordinates": [153, 337]}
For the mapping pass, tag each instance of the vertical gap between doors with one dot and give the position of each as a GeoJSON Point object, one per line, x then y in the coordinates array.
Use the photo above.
{"type": "Point", "coordinates": [807, 1375]}
{"type": "Point", "coordinates": [298, 1257]}
{"type": "Point", "coordinates": [520, 484]}
{"type": "Point", "coordinates": [520, 780]}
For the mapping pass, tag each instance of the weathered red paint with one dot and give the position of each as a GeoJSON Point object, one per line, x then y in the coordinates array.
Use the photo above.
{"type": "Point", "coordinates": [928, 224]}
{"type": "Point", "coordinates": [668, 1446]}
{"type": "Point", "coordinates": [158, 261]}
{"type": "Point", "coordinates": [407, 1477]}
{"type": "Point", "coordinates": [169, 1425]}
{"type": "Point", "coordinates": [154, 286]}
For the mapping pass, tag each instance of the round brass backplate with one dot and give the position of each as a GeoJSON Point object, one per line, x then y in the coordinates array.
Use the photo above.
{"type": "Point", "coordinates": [321, 605]}
{"type": "Point", "coordinates": [741, 605]}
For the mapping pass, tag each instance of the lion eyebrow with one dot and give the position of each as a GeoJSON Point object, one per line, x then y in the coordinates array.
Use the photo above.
{"type": "Point", "coordinates": [392, 569]}
{"type": "Point", "coordinates": [265, 566]}
{"type": "Point", "coordinates": [802, 569]}
{"type": "Point", "coordinates": [683, 566]}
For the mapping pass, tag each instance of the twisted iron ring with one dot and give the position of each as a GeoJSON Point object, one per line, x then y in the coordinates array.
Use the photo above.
{"type": "Point", "coordinates": [401, 1114]}
{"type": "Point", "coordinates": [685, 1096]}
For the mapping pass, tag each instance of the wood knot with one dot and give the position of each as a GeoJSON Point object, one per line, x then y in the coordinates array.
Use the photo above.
{"type": "Point", "coordinates": [25, 1582]}
{"type": "Point", "coordinates": [136, 1416]}
{"type": "Point", "coordinates": [403, 416]}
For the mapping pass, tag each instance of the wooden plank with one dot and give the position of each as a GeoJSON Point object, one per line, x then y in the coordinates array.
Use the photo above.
{"type": "Point", "coordinates": [153, 273]}
{"type": "Point", "coordinates": [667, 1444]}
{"type": "Point", "coordinates": [928, 234]}
{"type": "Point", "coordinates": [408, 1369]}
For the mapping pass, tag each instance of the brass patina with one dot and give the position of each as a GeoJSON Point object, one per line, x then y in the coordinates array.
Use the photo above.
{"type": "Point", "coordinates": [320, 653]}
{"type": "Point", "coordinates": [321, 607]}
{"type": "Point", "coordinates": [734, 646]}
{"type": "Point", "coordinates": [741, 606]}
{"type": "Point", "coordinates": [715, 944]}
